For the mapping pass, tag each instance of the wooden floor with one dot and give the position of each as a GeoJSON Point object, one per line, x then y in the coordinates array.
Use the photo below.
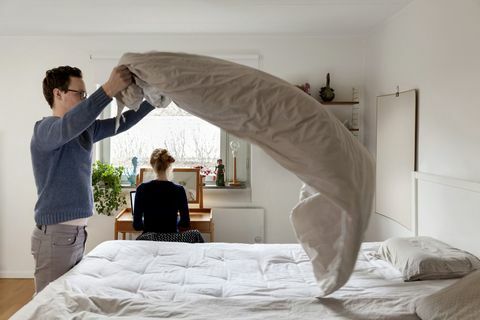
{"type": "Point", "coordinates": [14, 293]}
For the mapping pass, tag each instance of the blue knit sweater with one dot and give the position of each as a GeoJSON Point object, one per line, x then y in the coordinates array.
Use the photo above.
{"type": "Point", "coordinates": [61, 150]}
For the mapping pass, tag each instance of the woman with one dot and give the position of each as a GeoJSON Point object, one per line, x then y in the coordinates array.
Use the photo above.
{"type": "Point", "coordinates": [158, 202]}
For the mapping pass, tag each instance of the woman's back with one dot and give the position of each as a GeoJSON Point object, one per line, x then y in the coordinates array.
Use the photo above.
{"type": "Point", "coordinates": [159, 202]}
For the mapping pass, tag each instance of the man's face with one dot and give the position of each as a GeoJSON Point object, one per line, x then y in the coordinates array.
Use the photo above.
{"type": "Point", "coordinates": [74, 95]}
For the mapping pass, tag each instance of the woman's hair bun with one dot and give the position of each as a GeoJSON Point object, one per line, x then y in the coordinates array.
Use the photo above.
{"type": "Point", "coordinates": [161, 159]}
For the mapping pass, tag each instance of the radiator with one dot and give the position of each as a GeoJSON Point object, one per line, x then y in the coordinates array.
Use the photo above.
{"type": "Point", "coordinates": [239, 225]}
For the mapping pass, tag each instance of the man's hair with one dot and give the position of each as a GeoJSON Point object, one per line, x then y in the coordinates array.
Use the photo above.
{"type": "Point", "coordinates": [58, 78]}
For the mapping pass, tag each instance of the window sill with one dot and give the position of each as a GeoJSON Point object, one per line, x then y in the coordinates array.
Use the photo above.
{"type": "Point", "coordinates": [205, 187]}
{"type": "Point", "coordinates": [215, 187]}
{"type": "Point", "coordinates": [214, 196]}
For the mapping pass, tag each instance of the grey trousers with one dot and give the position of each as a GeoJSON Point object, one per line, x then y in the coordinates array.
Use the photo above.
{"type": "Point", "coordinates": [56, 249]}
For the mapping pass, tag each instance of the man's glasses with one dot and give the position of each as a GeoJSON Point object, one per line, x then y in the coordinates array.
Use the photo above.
{"type": "Point", "coordinates": [81, 94]}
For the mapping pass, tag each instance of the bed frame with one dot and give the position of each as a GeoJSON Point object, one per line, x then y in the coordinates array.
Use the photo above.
{"type": "Point", "coordinates": [447, 209]}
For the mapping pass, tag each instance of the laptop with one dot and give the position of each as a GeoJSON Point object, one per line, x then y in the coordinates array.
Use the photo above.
{"type": "Point", "coordinates": [132, 199]}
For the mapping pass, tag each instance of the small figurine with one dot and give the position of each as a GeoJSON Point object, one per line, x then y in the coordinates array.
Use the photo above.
{"type": "Point", "coordinates": [132, 176]}
{"type": "Point", "coordinates": [220, 173]}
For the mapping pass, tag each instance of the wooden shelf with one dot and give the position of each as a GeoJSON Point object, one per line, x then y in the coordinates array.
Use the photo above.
{"type": "Point", "coordinates": [354, 129]}
{"type": "Point", "coordinates": [339, 102]}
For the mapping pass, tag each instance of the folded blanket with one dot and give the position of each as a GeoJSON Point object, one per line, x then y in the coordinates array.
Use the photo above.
{"type": "Point", "coordinates": [290, 126]}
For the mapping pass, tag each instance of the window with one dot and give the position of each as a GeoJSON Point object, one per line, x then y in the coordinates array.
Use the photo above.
{"type": "Point", "coordinates": [191, 140]}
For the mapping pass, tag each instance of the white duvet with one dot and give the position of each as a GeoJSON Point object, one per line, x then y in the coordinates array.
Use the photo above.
{"type": "Point", "coordinates": [144, 279]}
{"type": "Point", "coordinates": [289, 125]}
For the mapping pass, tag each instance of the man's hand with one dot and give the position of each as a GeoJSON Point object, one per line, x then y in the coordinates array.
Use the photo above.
{"type": "Point", "coordinates": [120, 78]}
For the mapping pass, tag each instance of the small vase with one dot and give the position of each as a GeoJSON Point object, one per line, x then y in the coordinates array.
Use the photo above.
{"type": "Point", "coordinates": [326, 93]}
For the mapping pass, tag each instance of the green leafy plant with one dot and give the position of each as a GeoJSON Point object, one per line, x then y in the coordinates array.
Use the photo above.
{"type": "Point", "coordinates": [107, 189]}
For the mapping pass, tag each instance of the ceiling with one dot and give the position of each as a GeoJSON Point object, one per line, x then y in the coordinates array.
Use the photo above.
{"type": "Point", "coordinates": [306, 17]}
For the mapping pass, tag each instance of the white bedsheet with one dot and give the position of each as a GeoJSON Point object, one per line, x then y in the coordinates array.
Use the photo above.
{"type": "Point", "coordinates": [141, 279]}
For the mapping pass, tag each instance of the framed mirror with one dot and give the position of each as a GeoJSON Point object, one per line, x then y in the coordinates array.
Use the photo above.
{"type": "Point", "coordinates": [396, 156]}
{"type": "Point", "coordinates": [189, 178]}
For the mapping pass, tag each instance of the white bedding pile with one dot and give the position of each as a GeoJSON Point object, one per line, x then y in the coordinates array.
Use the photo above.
{"type": "Point", "coordinates": [289, 125]}
{"type": "Point", "coordinates": [141, 279]}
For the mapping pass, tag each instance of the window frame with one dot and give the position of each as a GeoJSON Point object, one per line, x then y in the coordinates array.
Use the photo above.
{"type": "Point", "coordinates": [102, 149]}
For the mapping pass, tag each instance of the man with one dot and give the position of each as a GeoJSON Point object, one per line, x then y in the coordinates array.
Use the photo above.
{"type": "Point", "coordinates": [61, 149]}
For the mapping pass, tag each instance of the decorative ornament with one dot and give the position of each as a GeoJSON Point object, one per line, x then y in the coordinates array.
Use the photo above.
{"type": "Point", "coordinates": [326, 93]}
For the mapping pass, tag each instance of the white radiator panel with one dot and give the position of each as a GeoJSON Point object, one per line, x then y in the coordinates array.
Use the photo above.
{"type": "Point", "coordinates": [239, 225]}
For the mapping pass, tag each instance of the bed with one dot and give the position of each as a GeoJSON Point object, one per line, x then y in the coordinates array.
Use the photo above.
{"type": "Point", "coordinates": [143, 279]}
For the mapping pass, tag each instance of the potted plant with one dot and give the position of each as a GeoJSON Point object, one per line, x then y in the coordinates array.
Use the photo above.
{"type": "Point", "coordinates": [107, 189]}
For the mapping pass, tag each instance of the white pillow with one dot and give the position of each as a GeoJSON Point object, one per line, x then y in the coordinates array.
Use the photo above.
{"type": "Point", "coordinates": [425, 258]}
{"type": "Point", "coordinates": [290, 126]}
{"type": "Point", "coordinates": [460, 300]}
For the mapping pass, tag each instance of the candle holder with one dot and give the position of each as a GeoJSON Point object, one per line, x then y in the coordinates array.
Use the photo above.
{"type": "Point", "coordinates": [234, 145]}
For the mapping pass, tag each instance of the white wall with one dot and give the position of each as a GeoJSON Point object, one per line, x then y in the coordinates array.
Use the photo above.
{"type": "Point", "coordinates": [432, 46]}
{"type": "Point", "coordinates": [25, 59]}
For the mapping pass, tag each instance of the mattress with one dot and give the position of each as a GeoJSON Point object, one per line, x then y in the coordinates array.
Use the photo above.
{"type": "Point", "coordinates": [144, 279]}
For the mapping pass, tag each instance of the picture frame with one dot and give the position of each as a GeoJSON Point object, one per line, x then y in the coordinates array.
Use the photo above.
{"type": "Point", "coordinates": [189, 178]}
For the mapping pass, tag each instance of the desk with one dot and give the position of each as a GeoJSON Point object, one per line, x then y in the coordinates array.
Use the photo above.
{"type": "Point", "coordinates": [200, 219]}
